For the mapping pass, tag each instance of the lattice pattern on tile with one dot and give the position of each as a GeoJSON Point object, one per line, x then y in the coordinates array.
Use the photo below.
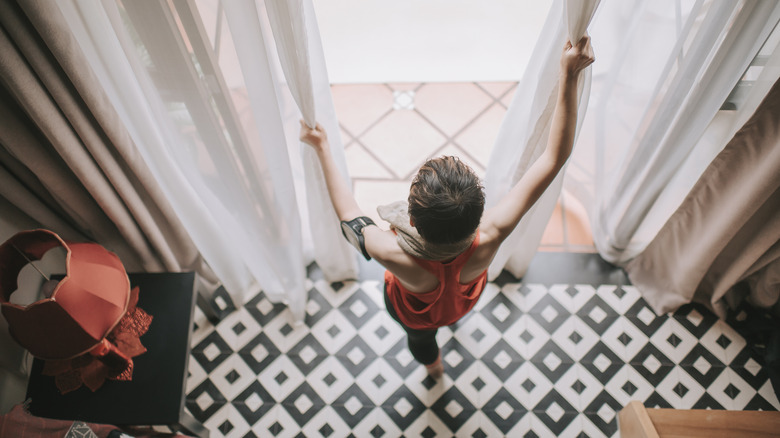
{"type": "Point", "coordinates": [531, 360]}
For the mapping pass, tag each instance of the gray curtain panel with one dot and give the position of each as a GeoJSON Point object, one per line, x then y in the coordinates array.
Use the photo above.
{"type": "Point", "coordinates": [726, 231]}
{"type": "Point", "coordinates": [66, 160]}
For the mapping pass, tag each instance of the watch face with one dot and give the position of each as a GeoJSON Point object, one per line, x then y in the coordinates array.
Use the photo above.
{"type": "Point", "coordinates": [353, 232]}
{"type": "Point", "coordinates": [350, 234]}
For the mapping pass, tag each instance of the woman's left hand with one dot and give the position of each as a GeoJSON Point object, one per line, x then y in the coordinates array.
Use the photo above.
{"type": "Point", "coordinates": [315, 137]}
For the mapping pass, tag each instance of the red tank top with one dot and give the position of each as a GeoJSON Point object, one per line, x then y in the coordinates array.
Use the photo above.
{"type": "Point", "coordinates": [445, 304]}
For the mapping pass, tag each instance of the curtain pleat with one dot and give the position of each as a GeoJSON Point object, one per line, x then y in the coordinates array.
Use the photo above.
{"type": "Point", "coordinates": [122, 164]}
{"type": "Point", "coordinates": [524, 131]}
{"type": "Point", "coordinates": [726, 230]}
{"type": "Point", "coordinates": [222, 139]}
{"type": "Point", "coordinates": [656, 128]}
{"type": "Point", "coordinates": [243, 20]}
{"type": "Point", "coordinates": [61, 128]}
{"type": "Point", "coordinates": [300, 54]}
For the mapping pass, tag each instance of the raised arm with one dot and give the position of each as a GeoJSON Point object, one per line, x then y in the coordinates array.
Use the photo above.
{"type": "Point", "coordinates": [340, 195]}
{"type": "Point", "coordinates": [380, 244]}
{"type": "Point", "coordinates": [499, 221]}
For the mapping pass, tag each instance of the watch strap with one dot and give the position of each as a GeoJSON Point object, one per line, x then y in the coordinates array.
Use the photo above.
{"type": "Point", "coordinates": [357, 224]}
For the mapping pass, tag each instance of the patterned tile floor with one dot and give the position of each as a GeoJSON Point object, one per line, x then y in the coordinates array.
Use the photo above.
{"type": "Point", "coordinates": [556, 354]}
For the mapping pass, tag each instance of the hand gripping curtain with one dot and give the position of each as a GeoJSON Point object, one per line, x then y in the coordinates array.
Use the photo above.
{"type": "Point", "coordinates": [295, 32]}
{"type": "Point", "coordinates": [523, 134]}
{"type": "Point", "coordinates": [227, 175]}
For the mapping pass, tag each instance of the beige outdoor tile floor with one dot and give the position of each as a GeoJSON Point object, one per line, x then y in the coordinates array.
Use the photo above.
{"type": "Point", "coordinates": [389, 130]}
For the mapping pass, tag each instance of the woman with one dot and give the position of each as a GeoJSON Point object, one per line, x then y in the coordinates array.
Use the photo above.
{"type": "Point", "coordinates": [440, 245]}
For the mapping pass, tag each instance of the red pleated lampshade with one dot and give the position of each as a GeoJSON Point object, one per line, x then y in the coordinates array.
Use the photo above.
{"type": "Point", "coordinates": [84, 307]}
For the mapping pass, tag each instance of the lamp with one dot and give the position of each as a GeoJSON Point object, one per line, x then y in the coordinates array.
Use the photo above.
{"type": "Point", "coordinates": [90, 314]}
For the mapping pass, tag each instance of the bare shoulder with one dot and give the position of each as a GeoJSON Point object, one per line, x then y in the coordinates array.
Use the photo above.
{"type": "Point", "coordinates": [489, 232]}
{"type": "Point", "coordinates": [383, 247]}
{"type": "Point", "coordinates": [489, 242]}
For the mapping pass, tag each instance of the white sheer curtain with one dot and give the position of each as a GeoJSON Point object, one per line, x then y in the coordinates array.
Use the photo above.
{"type": "Point", "coordinates": [299, 49]}
{"type": "Point", "coordinates": [663, 70]}
{"type": "Point", "coordinates": [523, 134]}
{"type": "Point", "coordinates": [221, 147]}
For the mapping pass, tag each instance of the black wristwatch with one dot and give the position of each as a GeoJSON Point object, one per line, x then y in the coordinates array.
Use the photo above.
{"type": "Point", "coordinates": [353, 232]}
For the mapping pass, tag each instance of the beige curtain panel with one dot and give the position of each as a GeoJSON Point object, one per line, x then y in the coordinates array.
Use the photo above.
{"type": "Point", "coordinates": [726, 233]}
{"type": "Point", "coordinates": [66, 160]}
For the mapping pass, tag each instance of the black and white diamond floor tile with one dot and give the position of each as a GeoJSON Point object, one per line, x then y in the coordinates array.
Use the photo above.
{"type": "Point", "coordinates": [238, 328]}
{"type": "Point", "coordinates": [768, 399]}
{"type": "Point", "coordinates": [228, 422]}
{"type": "Point", "coordinates": [537, 359]}
{"type": "Point", "coordinates": [627, 385]}
{"type": "Point", "coordinates": [526, 336]}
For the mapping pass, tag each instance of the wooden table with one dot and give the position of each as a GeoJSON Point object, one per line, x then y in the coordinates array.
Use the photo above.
{"type": "Point", "coordinates": [636, 421]}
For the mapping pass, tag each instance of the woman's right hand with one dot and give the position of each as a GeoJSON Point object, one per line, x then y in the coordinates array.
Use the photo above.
{"type": "Point", "coordinates": [576, 58]}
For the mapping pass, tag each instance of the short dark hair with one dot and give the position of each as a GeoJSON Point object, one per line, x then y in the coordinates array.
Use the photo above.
{"type": "Point", "coordinates": [446, 200]}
